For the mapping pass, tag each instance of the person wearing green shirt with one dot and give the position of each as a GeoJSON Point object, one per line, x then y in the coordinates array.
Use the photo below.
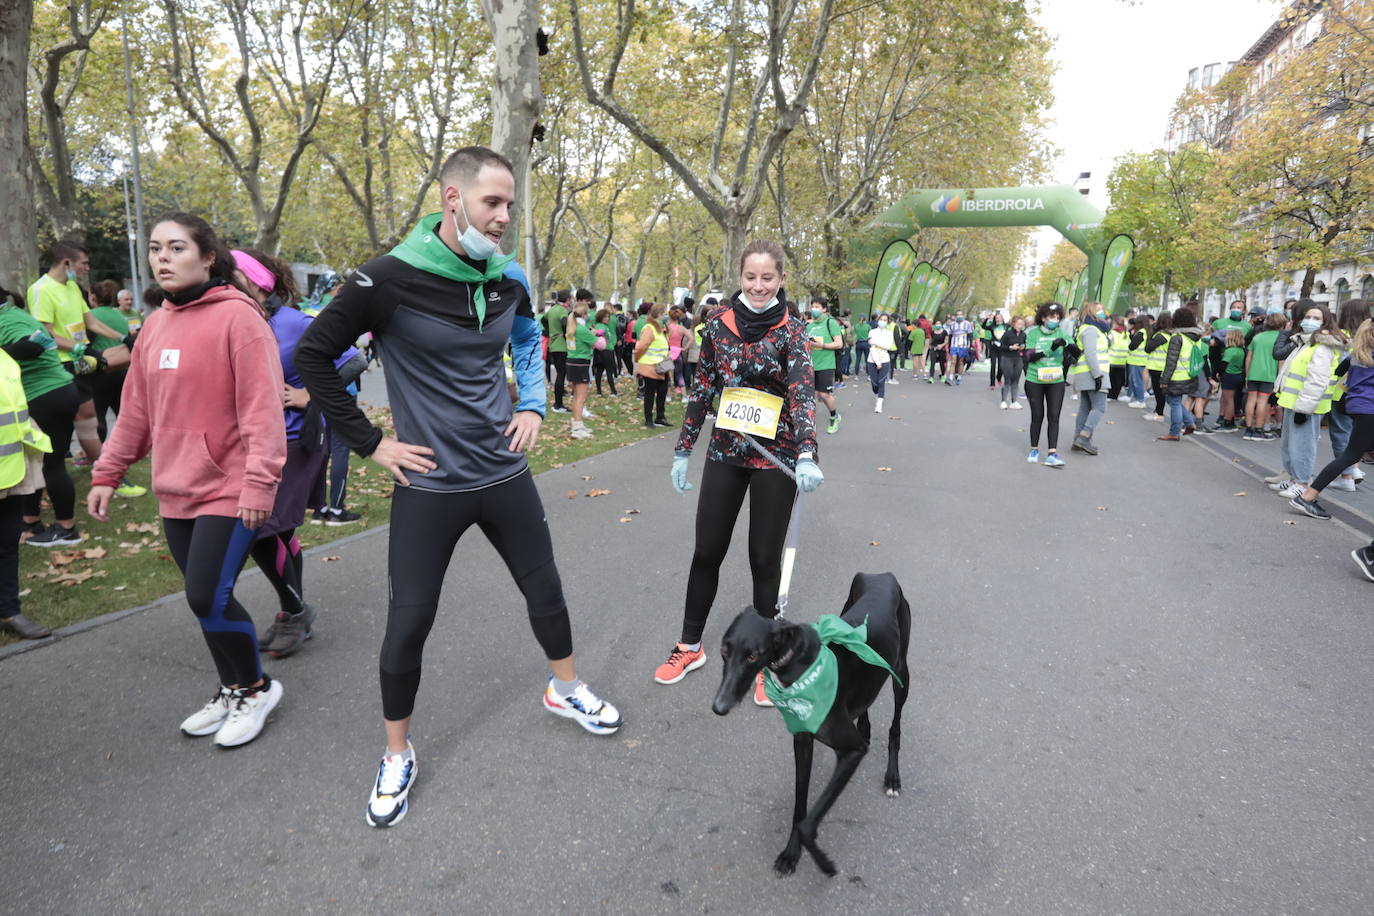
{"type": "Point", "coordinates": [825, 336]}
{"type": "Point", "coordinates": [555, 320]}
{"type": "Point", "coordinates": [1232, 378]}
{"type": "Point", "coordinates": [603, 360]}
{"type": "Point", "coordinates": [1261, 369]}
{"type": "Point", "coordinates": [918, 350]}
{"type": "Point", "coordinates": [1045, 343]}
{"type": "Point", "coordinates": [861, 331]}
{"type": "Point", "coordinates": [53, 398]}
{"type": "Point", "coordinates": [580, 341]}
{"type": "Point", "coordinates": [990, 332]}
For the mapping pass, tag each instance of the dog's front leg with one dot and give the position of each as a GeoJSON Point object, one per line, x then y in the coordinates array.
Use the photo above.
{"type": "Point", "coordinates": [849, 752]}
{"type": "Point", "coordinates": [803, 744]}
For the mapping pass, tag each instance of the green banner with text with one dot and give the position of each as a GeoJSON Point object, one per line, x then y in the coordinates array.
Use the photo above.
{"type": "Point", "coordinates": [894, 270]}
{"type": "Point", "coordinates": [918, 288]}
{"type": "Point", "coordinates": [1120, 251]}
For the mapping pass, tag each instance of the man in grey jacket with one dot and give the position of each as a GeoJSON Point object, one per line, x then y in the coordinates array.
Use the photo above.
{"type": "Point", "coordinates": [1087, 374]}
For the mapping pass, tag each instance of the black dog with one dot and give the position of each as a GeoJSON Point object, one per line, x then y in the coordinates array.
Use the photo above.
{"type": "Point", "coordinates": [788, 649]}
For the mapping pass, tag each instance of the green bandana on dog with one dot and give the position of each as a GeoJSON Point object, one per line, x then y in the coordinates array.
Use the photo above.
{"type": "Point", "coordinates": [805, 704]}
{"type": "Point", "coordinates": [424, 250]}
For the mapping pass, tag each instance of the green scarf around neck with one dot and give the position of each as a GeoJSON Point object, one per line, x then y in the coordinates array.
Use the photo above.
{"type": "Point", "coordinates": [424, 250]}
{"type": "Point", "coordinates": [806, 702]}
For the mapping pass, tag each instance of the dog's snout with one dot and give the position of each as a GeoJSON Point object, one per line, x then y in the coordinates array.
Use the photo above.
{"type": "Point", "coordinates": [721, 709]}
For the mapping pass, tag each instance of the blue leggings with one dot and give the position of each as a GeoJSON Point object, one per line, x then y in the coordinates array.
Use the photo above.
{"type": "Point", "coordinates": [210, 551]}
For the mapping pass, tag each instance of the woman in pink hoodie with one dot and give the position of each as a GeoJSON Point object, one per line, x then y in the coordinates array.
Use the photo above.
{"type": "Point", "coordinates": [204, 396]}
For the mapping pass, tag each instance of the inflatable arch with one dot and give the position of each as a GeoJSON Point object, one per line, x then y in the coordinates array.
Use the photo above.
{"type": "Point", "coordinates": [1059, 206]}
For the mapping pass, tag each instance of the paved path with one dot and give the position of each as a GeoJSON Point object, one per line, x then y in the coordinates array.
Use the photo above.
{"type": "Point", "coordinates": [1133, 692]}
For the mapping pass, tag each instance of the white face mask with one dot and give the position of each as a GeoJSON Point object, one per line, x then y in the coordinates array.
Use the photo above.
{"type": "Point", "coordinates": [477, 245]}
{"type": "Point", "coordinates": [758, 310]}
{"type": "Point", "coordinates": [882, 322]}
{"type": "Point", "coordinates": [581, 321]}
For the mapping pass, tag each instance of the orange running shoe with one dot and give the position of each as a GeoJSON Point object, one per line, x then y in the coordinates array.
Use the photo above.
{"type": "Point", "coordinates": [680, 661]}
{"type": "Point", "coordinates": [760, 698]}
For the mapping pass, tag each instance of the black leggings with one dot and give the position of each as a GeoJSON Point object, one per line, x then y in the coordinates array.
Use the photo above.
{"type": "Point", "coordinates": [11, 508]}
{"type": "Point", "coordinates": [655, 399]}
{"type": "Point", "coordinates": [425, 528]}
{"type": "Point", "coordinates": [279, 558]}
{"type": "Point", "coordinates": [1046, 401]}
{"type": "Point", "coordinates": [560, 376]}
{"type": "Point", "coordinates": [210, 552]}
{"type": "Point", "coordinates": [723, 486]}
{"type": "Point", "coordinates": [106, 390]}
{"type": "Point", "coordinates": [1157, 385]}
{"type": "Point", "coordinates": [603, 364]}
{"type": "Point", "coordinates": [1361, 441]}
{"type": "Point", "coordinates": [1117, 375]}
{"type": "Point", "coordinates": [55, 414]}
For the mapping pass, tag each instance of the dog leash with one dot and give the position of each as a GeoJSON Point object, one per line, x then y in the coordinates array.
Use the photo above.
{"type": "Point", "coordinates": [789, 551]}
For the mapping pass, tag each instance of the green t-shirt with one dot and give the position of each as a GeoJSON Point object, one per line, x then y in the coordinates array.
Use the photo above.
{"type": "Point", "coordinates": [62, 305]}
{"type": "Point", "coordinates": [1039, 338]}
{"type": "Point", "coordinates": [1263, 366]}
{"type": "Point", "coordinates": [862, 329]}
{"type": "Point", "coordinates": [584, 339]}
{"type": "Point", "coordinates": [827, 329]}
{"type": "Point", "coordinates": [44, 372]}
{"type": "Point", "coordinates": [639, 326]}
{"type": "Point", "coordinates": [116, 321]}
{"type": "Point", "coordinates": [1234, 360]}
{"type": "Point", "coordinates": [1227, 324]}
{"type": "Point", "coordinates": [918, 340]}
{"type": "Point", "coordinates": [556, 320]}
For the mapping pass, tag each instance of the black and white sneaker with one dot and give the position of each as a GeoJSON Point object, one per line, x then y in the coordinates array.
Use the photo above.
{"type": "Point", "coordinates": [338, 517]}
{"type": "Point", "coordinates": [1364, 558]}
{"type": "Point", "coordinates": [1312, 509]}
{"type": "Point", "coordinates": [395, 776]}
{"type": "Point", "coordinates": [56, 536]}
{"type": "Point", "coordinates": [585, 708]}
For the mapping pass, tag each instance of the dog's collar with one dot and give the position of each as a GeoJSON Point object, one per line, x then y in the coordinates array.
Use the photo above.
{"type": "Point", "coordinates": [778, 663]}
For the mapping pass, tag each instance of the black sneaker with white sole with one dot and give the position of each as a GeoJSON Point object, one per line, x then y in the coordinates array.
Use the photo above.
{"type": "Point", "coordinates": [56, 536]}
{"type": "Point", "coordinates": [1364, 558]}
{"type": "Point", "coordinates": [341, 517]}
{"type": "Point", "coordinates": [1312, 509]}
{"type": "Point", "coordinates": [396, 774]}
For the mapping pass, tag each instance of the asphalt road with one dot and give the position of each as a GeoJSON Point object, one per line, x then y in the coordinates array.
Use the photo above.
{"type": "Point", "coordinates": [1134, 691]}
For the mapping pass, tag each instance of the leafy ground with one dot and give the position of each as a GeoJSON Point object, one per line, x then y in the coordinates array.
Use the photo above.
{"type": "Point", "coordinates": [125, 563]}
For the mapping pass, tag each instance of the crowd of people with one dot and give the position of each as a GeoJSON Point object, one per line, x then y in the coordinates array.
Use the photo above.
{"type": "Point", "coordinates": [245, 393]}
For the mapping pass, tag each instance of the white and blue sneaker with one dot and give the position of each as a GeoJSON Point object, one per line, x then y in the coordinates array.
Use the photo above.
{"type": "Point", "coordinates": [1033, 457]}
{"type": "Point", "coordinates": [585, 708]}
{"type": "Point", "coordinates": [1052, 460]}
{"type": "Point", "coordinates": [395, 776]}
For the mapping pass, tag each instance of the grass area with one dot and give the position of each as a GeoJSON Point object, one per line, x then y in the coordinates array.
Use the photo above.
{"type": "Point", "coordinates": [125, 563]}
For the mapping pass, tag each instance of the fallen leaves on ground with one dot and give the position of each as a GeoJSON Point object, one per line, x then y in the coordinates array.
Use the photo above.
{"type": "Point", "coordinates": [884, 469]}
{"type": "Point", "coordinates": [1241, 493]}
{"type": "Point", "coordinates": [94, 553]}
{"type": "Point", "coordinates": [596, 493]}
{"type": "Point", "coordinates": [874, 543]}
{"type": "Point", "coordinates": [330, 559]}
{"type": "Point", "coordinates": [1289, 521]}
{"type": "Point", "coordinates": [572, 494]}
{"type": "Point", "coordinates": [1101, 508]}
{"type": "Point", "coordinates": [625, 518]}
{"type": "Point", "coordinates": [145, 528]}
{"type": "Point", "coordinates": [586, 477]}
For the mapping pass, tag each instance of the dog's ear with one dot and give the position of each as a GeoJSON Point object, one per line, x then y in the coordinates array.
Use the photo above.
{"type": "Point", "coordinates": [783, 636]}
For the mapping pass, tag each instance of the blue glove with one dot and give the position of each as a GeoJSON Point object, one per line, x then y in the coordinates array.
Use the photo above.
{"type": "Point", "coordinates": [679, 474]}
{"type": "Point", "coordinates": [809, 475]}
{"type": "Point", "coordinates": [43, 339]}
{"type": "Point", "coordinates": [78, 351]}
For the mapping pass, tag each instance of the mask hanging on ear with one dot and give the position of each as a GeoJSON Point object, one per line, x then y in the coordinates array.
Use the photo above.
{"type": "Point", "coordinates": [477, 245]}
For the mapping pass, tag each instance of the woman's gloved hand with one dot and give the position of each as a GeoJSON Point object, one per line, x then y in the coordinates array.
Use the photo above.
{"type": "Point", "coordinates": [809, 475]}
{"type": "Point", "coordinates": [679, 474]}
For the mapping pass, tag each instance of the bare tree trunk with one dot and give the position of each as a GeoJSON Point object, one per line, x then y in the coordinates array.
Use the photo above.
{"type": "Point", "coordinates": [516, 99]}
{"type": "Point", "coordinates": [1309, 279]}
{"type": "Point", "coordinates": [18, 260]}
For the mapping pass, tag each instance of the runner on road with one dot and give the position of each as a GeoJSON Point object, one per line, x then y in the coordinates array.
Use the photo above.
{"type": "Point", "coordinates": [1045, 345]}
{"type": "Point", "coordinates": [442, 307]}
{"type": "Point", "coordinates": [750, 343]}
{"type": "Point", "coordinates": [960, 345]}
{"type": "Point", "coordinates": [825, 336]}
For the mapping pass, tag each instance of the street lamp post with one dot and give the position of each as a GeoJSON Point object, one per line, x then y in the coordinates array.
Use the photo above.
{"type": "Point", "coordinates": [138, 237]}
{"type": "Point", "coordinates": [135, 273]}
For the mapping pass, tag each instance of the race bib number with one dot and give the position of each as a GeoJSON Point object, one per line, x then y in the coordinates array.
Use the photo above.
{"type": "Point", "coordinates": [77, 332]}
{"type": "Point", "coordinates": [1046, 374]}
{"type": "Point", "coordinates": [746, 410]}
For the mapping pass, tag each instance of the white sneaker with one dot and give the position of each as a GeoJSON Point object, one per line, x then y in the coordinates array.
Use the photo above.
{"type": "Point", "coordinates": [877, 405]}
{"type": "Point", "coordinates": [395, 776]}
{"type": "Point", "coordinates": [208, 719]}
{"type": "Point", "coordinates": [587, 412]}
{"type": "Point", "coordinates": [1004, 405]}
{"type": "Point", "coordinates": [1290, 489]}
{"type": "Point", "coordinates": [1277, 478]}
{"type": "Point", "coordinates": [1135, 404]}
{"type": "Point", "coordinates": [1359, 477]}
{"type": "Point", "coordinates": [248, 712]}
{"type": "Point", "coordinates": [1342, 483]}
{"type": "Point", "coordinates": [585, 708]}
{"type": "Point", "coordinates": [581, 431]}
{"type": "Point", "coordinates": [1017, 405]}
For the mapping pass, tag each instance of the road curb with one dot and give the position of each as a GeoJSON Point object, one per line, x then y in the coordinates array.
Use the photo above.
{"type": "Point", "coordinates": [1357, 521]}
{"type": "Point", "coordinates": [28, 645]}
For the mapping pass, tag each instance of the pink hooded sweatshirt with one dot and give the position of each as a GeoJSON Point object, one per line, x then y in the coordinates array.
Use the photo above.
{"type": "Point", "coordinates": [204, 395]}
